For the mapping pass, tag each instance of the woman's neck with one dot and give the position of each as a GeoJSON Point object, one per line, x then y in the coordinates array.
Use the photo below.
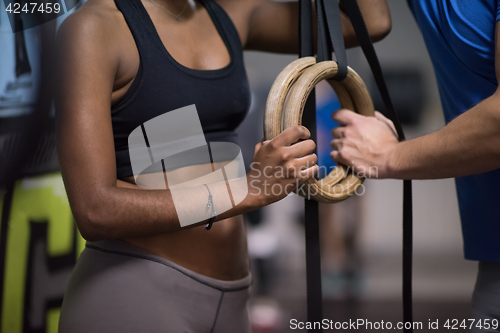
{"type": "Point", "coordinates": [176, 8]}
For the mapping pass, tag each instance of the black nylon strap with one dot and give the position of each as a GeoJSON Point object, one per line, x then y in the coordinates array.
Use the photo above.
{"type": "Point", "coordinates": [323, 50]}
{"type": "Point", "coordinates": [366, 44]}
{"type": "Point", "coordinates": [334, 31]}
{"type": "Point", "coordinates": [311, 225]}
{"type": "Point", "coordinates": [313, 264]}
{"type": "Point", "coordinates": [329, 26]}
{"type": "Point", "coordinates": [329, 36]}
{"type": "Point", "coordinates": [306, 47]}
{"type": "Point", "coordinates": [330, 29]}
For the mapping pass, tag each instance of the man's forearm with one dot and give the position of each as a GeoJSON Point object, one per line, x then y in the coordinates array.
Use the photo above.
{"type": "Point", "coordinates": [470, 144]}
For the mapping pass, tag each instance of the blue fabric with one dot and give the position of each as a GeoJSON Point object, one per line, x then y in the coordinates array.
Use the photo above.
{"type": "Point", "coordinates": [459, 35]}
{"type": "Point", "coordinates": [325, 105]}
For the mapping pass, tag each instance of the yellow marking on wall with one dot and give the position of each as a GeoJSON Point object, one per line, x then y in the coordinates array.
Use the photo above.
{"type": "Point", "coordinates": [37, 199]}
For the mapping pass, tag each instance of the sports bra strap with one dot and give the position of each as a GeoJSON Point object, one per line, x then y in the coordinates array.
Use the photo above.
{"type": "Point", "coordinates": [136, 23]}
{"type": "Point", "coordinates": [145, 33]}
{"type": "Point", "coordinates": [223, 22]}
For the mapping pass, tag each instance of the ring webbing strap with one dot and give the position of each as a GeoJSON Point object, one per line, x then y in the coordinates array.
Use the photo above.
{"type": "Point", "coordinates": [329, 25]}
{"type": "Point", "coordinates": [311, 225]}
{"type": "Point", "coordinates": [306, 47]}
{"type": "Point", "coordinates": [364, 40]}
{"type": "Point", "coordinates": [329, 36]}
{"type": "Point", "coordinates": [333, 29]}
{"type": "Point", "coordinates": [323, 51]}
{"type": "Point", "coordinates": [366, 44]}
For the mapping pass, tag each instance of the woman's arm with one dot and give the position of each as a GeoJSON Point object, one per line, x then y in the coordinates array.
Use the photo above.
{"type": "Point", "coordinates": [273, 26]}
{"type": "Point", "coordinates": [90, 52]}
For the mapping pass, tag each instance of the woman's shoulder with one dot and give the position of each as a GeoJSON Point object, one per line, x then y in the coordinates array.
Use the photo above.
{"type": "Point", "coordinates": [94, 17]}
{"type": "Point", "coordinates": [96, 23]}
{"type": "Point", "coordinates": [94, 31]}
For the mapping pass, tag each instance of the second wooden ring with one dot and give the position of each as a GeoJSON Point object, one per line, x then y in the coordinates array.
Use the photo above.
{"type": "Point", "coordinates": [294, 84]}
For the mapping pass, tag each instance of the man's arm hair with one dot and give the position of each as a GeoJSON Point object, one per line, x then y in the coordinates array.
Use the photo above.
{"type": "Point", "coordinates": [470, 144]}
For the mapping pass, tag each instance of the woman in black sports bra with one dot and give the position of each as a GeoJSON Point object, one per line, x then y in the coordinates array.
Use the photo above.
{"type": "Point", "coordinates": [123, 63]}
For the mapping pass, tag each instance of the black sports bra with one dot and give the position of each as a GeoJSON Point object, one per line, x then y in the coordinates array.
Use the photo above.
{"type": "Point", "coordinates": [221, 96]}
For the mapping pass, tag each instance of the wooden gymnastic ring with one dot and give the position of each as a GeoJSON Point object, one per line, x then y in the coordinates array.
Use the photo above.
{"type": "Point", "coordinates": [277, 95]}
{"type": "Point", "coordinates": [294, 84]}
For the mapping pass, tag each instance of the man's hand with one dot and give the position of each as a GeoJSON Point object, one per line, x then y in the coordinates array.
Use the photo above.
{"type": "Point", "coordinates": [364, 143]}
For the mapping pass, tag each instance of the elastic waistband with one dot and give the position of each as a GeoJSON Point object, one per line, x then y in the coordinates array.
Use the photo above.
{"type": "Point", "coordinates": [119, 247]}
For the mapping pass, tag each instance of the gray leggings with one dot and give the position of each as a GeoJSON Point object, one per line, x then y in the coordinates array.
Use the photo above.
{"type": "Point", "coordinates": [486, 298]}
{"type": "Point", "coordinates": [116, 287]}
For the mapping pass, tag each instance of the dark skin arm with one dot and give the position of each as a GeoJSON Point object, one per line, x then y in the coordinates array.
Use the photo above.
{"type": "Point", "coordinates": [104, 207]}
{"type": "Point", "coordinates": [86, 151]}
{"type": "Point", "coordinates": [273, 26]}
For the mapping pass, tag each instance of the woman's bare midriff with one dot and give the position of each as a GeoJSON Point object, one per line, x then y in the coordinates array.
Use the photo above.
{"type": "Point", "coordinates": [220, 252]}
